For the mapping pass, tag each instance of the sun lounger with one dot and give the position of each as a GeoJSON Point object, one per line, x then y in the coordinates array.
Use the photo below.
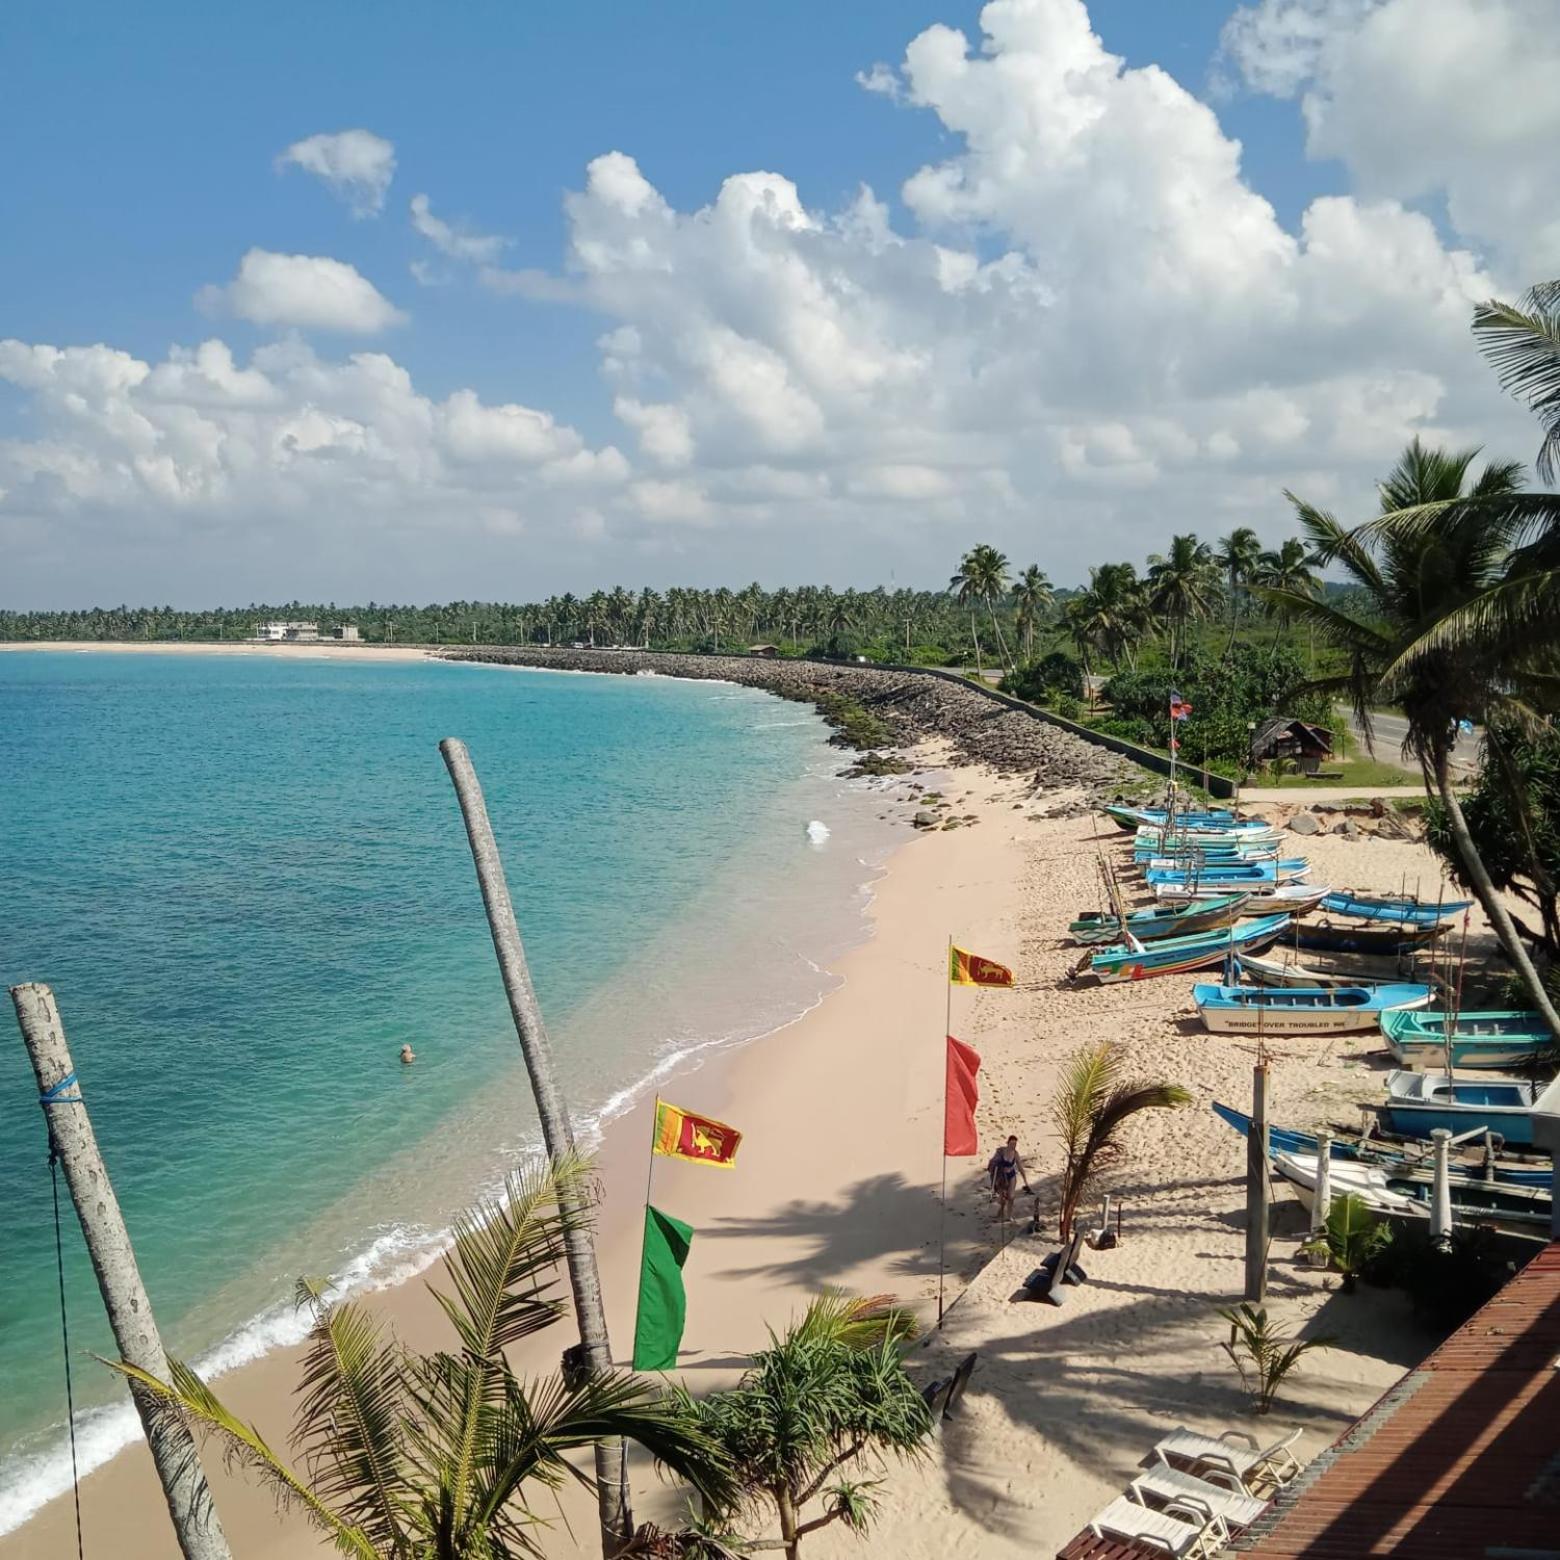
{"type": "Point", "coordinates": [1235, 1454]}
{"type": "Point", "coordinates": [1177, 1530]}
{"type": "Point", "coordinates": [942, 1396]}
{"type": "Point", "coordinates": [1163, 1484]}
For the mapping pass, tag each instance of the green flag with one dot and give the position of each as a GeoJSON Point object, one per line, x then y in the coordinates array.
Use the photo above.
{"type": "Point", "coordinates": [663, 1305]}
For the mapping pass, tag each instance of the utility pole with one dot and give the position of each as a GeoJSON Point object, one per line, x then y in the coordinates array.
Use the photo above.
{"type": "Point", "coordinates": [1257, 1184]}
{"type": "Point", "coordinates": [557, 1129]}
{"type": "Point", "coordinates": [73, 1142]}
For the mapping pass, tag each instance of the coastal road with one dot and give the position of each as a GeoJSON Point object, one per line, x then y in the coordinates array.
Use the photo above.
{"type": "Point", "coordinates": [1390, 728]}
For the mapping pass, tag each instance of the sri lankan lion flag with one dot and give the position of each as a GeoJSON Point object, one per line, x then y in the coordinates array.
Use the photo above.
{"type": "Point", "coordinates": [679, 1134]}
{"type": "Point", "coordinates": [969, 969]}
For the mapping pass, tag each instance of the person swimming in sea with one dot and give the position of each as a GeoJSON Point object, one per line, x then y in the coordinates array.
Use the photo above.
{"type": "Point", "coordinates": [408, 1055]}
{"type": "Point", "coordinates": [1004, 1169]}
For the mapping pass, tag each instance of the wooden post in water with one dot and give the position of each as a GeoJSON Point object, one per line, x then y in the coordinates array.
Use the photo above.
{"type": "Point", "coordinates": [113, 1260]}
{"type": "Point", "coordinates": [557, 1129]}
{"type": "Point", "coordinates": [1257, 1186]}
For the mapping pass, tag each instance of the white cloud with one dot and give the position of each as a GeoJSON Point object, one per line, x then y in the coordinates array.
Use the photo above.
{"type": "Point", "coordinates": [456, 242]}
{"type": "Point", "coordinates": [1421, 98]}
{"type": "Point", "coordinates": [356, 165]}
{"type": "Point", "coordinates": [1090, 330]}
{"type": "Point", "coordinates": [311, 292]}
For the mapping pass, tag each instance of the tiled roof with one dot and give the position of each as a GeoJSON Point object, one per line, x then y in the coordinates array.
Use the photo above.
{"type": "Point", "coordinates": [1459, 1461]}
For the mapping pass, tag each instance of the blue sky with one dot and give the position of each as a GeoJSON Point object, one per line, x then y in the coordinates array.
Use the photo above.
{"type": "Point", "coordinates": [141, 165]}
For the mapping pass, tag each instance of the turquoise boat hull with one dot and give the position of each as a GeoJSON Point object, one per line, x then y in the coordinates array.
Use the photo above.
{"type": "Point", "coordinates": [1482, 1041]}
{"type": "Point", "coordinates": [1181, 955]}
{"type": "Point", "coordinates": [1418, 1103]}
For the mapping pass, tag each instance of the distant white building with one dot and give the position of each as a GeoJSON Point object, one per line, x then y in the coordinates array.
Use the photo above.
{"type": "Point", "coordinates": [343, 631]}
{"type": "Point", "coordinates": [287, 633]}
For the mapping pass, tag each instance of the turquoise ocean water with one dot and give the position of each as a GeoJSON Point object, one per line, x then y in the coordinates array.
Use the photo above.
{"type": "Point", "coordinates": [247, 881]}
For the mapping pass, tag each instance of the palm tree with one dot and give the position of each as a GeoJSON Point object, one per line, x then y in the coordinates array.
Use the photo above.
{"type": "Point", "coordinates": [982, 576]}
{"type": "Point", "coordinates": [1032, 595]}
{"type": "Point", "coordinates": [1289, 570]}
{"type": "Point", "coordinates": [839, 618]}
{"type": "Point", "coordinates": [1239, 555]}
{"type": "Point", "coordinates": [1093, 1097]}
{"type": "Point", "coordinates": [830, 1394]}
{"type": "Point", "coordinates": [1181, 586]}
{"type": "Point", "coordinates": [1440, 546]}
{"type": "Point", "coordinates": [1523, 344]}
{"type": "Point", "coordinates": [407, 1455]}
{"type": "Point", "coordinates": [1109, 615]}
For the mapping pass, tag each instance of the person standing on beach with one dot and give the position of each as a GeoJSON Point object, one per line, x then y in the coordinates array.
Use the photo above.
{"type": "Point", "coordinates": [1004, 1169]}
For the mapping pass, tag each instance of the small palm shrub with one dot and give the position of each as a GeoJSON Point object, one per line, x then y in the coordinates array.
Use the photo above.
{"type": "Point", "coordinates": [1353, 1238]}
{"type": "Point", "coordinates": [1262, 1357]}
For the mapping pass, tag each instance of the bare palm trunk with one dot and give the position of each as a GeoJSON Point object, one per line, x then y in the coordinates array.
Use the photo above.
{"type": "Point", "coordinates": [975, 635]}
{"type": "Point", "coordinates": [1489, 896]}
{"type": "Point", "coordinates": [557, 1129]}
{"type": "Point", "coordinates": [996, 629]}
{"type": "Point", "coordinates": [71, 1137]}
{"type": "Point", "coordinates": [1234, 614]}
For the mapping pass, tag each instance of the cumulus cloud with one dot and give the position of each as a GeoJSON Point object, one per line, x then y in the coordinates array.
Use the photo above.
{"type": "Point", "coordinates": [311, 292]}
{"type": "Point", "coordinates": [355, 165]}
{"type": "Point", "coordinates": [1090, 330]}
{"type": "Point", "coordinates": [457, 243]}
{"type": "Point", "coordinates": [1421, 98]}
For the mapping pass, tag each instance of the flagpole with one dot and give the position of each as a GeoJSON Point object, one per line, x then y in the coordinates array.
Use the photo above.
{"type": "Point", "coordinates": [644, 1223]}
{"type": "Point", "coordinates": [942, 1216]}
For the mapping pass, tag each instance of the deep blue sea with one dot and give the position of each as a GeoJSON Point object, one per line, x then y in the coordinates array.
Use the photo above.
{"type": "Point", "coordinates": [247, 881]}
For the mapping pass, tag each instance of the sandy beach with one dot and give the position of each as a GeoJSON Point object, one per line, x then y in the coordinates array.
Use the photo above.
{"type": "Point", "coordinates": [838, 1181]}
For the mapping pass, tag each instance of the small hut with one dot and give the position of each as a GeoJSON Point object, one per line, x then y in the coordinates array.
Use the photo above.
{"type": "Point", "coordinates": [1283, 737]}
{"type": "Point", "coordinates": [769, 651]}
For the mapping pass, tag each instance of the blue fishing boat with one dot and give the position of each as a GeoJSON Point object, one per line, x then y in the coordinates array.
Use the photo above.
{"type": "Point", "coordinates": [1179, 848]}
{"type": "Point", "coordinates": [1331, 936]}
{"type": "Point", "coordinates": [1157, 921]}
{"type": "Point", "coordinates": [1301, 1010]}
{"type": "Point", "coordinates": [1231, 874]}
{"type": "Point", "coordinates": [1135, 817]}
{"type": "Point", "coordinates": [1402, 911]}
{"type": "Point", "coordinates": [1179, 955]}
{"type": "Point", "coordinates": [1419, 1102]}
{"type": "Point", "coordinates": [1287, 1140]}
{"type": "Point", "coordinates": [1481, 1041]}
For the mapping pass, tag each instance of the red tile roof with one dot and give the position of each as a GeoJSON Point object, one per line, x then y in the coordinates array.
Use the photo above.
{"type": "Point", "coordinates": [1458, 1461]}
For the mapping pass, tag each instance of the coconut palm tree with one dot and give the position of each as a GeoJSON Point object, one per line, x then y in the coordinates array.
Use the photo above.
{"type": "Point", "coordinates": [1110, 615]}
{"type": "Point", "coordinates": [1093, 1098]}
{"type": "Point", "coordinates": [1239, 555]}
{"type": "Point", "coordinates": [405, 1455]}
{"type": "Point", "coordinates": [828, 1396]}
{"type": "Point", "coordinates": [982, 576]}
{"type": "Point", "coordinates": [1181, 587]}
{"type": "Point", "coordinates": [1441, 544]}
{"type": "Point", "coordinates": [1032, 595]}
{"type": "Point", "coordinates": [1289, 570]}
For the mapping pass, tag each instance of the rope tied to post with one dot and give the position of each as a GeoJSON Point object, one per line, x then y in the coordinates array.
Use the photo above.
{"type": "Point", "coordinates": [58, 1095]}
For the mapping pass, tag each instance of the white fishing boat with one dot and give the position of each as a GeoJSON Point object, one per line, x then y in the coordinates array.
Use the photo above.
{"type": "Point", "coordinates": [1301, 1010]}
{"type": "Point", "coordinates": [1296, 898]}
{"type": "Point", "coordinates": [1369, 1182]}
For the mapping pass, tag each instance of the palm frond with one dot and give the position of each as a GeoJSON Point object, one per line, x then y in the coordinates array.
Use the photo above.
{"type": "Point", "coordinates": [186, 1398]}
{"type": "Point", "coordinates": [348, 1425]}
{"type": "Point", "coordinates": [856, 1321]}
{"type": "Point", "coordinates": [1332, 542]}
{"type": "Point", "coordinates": [1522, 343]}
{"type": "Point", "coordinates": [502, 1265]}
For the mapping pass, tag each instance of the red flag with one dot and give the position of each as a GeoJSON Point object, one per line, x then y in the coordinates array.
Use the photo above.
{"type": "Point", "coordinates": [959, 1139]}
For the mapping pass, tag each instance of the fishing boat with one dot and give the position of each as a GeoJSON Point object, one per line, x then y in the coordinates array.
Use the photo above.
{"type": "Point", "coordinates": [1331, 936]}
{"type": "Point", "coordinates": [1179, 955]}
{"type": "Point", "coordinates": [1242, 834]}
{"type": "Point", "coordinates": [1283, 967]}
{"type": "Point", "coordinates": [1407, 1195]}
{"type": "Point", "coordinates": [1419, 1102]}
{"type": "Point", "coordinates": [1402, 911]}
{"type": "Point", "coordinates": [1468, 1160]}
{"type": "Point", "coordinates": [1234, 874]}
{"type": "Point", "coordinates": [1157, 921]}
{"type": "Point", "coordinates": [1264, 899]}
{"type": "Point", "coordinates": [1478, 1040]}
{"type": "Point", "coordinates": [1313, 1010]}
{"type": "Point", "coordinates": [1179, 851]}
{"type": "Point", "coordinates": [1135, 817]}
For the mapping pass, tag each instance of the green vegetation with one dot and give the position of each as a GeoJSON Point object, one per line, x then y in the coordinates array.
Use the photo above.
{"type": "Point", "coordinates": [441, 1454]}
{"type": "Point", "coordinates": [1351, 1238]}
{"type": "Point", "coordinates": [854, 724]}
{"type": "Point", "coordinates": [1262, 1357]}
{"type": "Point", "coordinates": [1094, 1098]}
{"type": "Point", "coordinates": [826, 1399]}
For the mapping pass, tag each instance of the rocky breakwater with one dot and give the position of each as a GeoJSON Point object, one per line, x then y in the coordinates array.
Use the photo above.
{"type": "Point", "coordinates": [871, 709]}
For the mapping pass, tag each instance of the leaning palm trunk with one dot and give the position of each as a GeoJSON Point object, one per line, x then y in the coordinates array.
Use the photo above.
{"type": "Point", "coordinates": [557, 1130]}
{"type": "Point", "coordinates": [1488, 895]}
{"type": "Point", "coordinates": [996, 629]}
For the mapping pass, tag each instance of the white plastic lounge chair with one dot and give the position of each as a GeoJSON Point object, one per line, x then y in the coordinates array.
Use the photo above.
{"type": "Point", "coordinates": [1177, 1530]}
{"type": "Point", "coordinates": [1164, 1483]}
{"type": "Point", "coordinates": [1234, 1453]}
